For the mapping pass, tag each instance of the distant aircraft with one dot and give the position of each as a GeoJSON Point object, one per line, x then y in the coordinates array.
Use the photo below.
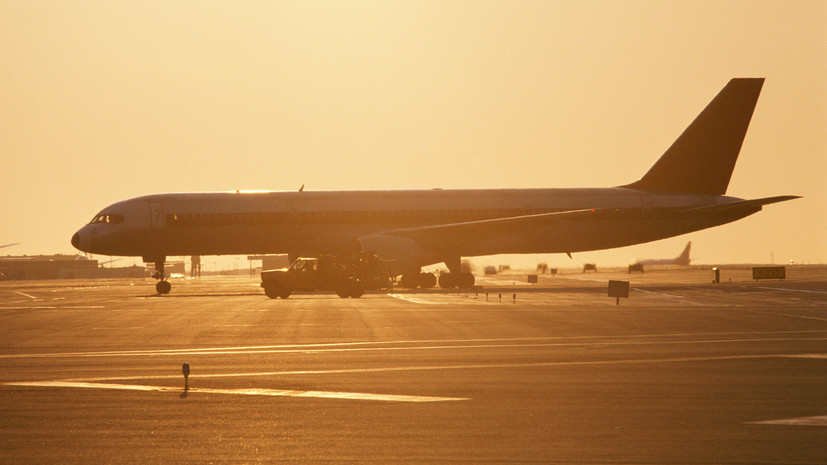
{"type": "Point", "coordinates": [682, 259]}
{"type": "Point", "coordinates": [408, 229]}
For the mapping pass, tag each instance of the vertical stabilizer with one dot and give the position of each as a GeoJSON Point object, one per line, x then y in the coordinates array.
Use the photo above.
{"type": "Point", "coordinates": [701, 160]}
{"type": "Point", "coordinates": [683, 258]}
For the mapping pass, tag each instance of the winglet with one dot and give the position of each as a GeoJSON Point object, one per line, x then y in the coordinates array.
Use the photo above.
{"type": "Point", "coordinates": [701, 160]}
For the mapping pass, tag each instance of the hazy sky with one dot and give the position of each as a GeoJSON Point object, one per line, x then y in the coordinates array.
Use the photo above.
{"type": "Point", "coordinates": [103, 101]}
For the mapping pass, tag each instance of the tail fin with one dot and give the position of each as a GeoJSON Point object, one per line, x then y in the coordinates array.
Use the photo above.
{"type": "Point", "coordinates": [683, 258]}
{"type": "Point", "coordinates": [701, 160]}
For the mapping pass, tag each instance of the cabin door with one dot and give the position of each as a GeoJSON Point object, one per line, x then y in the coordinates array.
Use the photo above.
{"type": "Point", "coordinates": [156, 215]}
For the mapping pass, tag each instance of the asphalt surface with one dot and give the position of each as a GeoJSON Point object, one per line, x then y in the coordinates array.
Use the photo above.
{"type": "Point", "coordinates": [683, 371]}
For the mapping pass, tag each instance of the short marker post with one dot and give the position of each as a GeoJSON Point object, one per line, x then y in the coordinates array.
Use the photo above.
{"type": "Point", "coordinates": [185, 369]}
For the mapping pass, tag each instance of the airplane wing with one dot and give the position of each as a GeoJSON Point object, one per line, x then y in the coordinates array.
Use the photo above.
{"type": "Point", "coordinates": [491, 226]}
{"type": "Point", "coordinates": [410, 245]}
{"type": "Point", "coordinates": [430, 244]}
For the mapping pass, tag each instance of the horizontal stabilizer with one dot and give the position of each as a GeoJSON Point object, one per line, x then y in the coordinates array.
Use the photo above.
{"type": "Point", "coordinates": [740, 205]}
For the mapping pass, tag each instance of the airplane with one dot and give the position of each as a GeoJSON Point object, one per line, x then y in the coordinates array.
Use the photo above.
{"type": "Point", "coordinates": [680, 260]}
{"type": "Point", "coordinates": [683, 191]}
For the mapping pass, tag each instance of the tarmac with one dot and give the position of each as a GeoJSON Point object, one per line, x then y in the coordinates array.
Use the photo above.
{"type": "Point", "coordinates": [682, 371]}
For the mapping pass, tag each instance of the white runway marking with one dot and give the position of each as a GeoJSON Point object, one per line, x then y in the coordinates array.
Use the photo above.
{"type": "Point", "coordinates": [245, 351]}
{"type": "Point", "coordinates": [674, 296]}
{"type": "Point", "coordinates": [118, 328]}
{"type": "Point", "coordinates": [50, 307]}
{"type": "Point", "coordinates": [245, 392]}
{"type": "Point", "coordinates": [504, 282]}
{"type": "Point", "coordinates": [804, 317]}
{"type": "Point", "coordinates": [454, 367]}
{"type": "Point", "coordinates": [817, 356]}
{"type": "Point", "coordinates": [26, 295]}
{"type": "Point", "coordinates": [448, 344]}
{"type": "Point", "coordinates": [681, 298]}
{"type": "Point", "coordinates": [820, 420]}
{"type": "Point", "coordinates": [809, 291]}
{"type": "Point", "coordinates": [412, 299]}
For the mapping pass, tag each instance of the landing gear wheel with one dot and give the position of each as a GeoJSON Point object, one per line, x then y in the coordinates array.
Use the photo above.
{"type": "Point", "coordinates": [465, 281]}
{"type": "Point", "coordinates": [461, 280]}
{"type": "Point", "coordinates": [163, 287]}
{"type": "Point", "coordinates": [350, 288]}
{"type": "Point", "coordinates": [446, 280]}
{"type": "Point", "coordinates": [409, 281]}
{"type": "Point", "coordinates": [427, 280]}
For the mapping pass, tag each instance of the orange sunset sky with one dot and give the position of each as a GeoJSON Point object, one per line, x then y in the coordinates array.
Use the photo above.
{"type": "Point", "coordinates": [103, 101]}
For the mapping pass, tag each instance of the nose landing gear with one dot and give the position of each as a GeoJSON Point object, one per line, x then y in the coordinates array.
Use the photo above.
{"type": "Point", "coordinates": [163, 286]}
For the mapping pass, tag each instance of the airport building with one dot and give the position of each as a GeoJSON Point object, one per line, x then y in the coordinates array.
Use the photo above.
{"type": "Point", "coordinates": [60, 267]}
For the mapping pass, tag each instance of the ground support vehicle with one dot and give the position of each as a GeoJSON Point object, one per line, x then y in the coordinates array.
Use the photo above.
{"type": "Point", "coordinates": [347, 277]}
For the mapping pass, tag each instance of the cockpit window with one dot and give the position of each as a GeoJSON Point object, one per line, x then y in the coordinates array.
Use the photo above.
{"type": "Point", "coordinates": [111, 218]}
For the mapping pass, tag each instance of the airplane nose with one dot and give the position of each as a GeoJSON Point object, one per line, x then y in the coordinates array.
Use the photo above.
{"type": "Point", "coordinates": [84, 240]}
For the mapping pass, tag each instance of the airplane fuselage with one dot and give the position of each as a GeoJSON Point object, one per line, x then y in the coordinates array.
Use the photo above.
{"type": "Point", "coordinates": [316, 223]}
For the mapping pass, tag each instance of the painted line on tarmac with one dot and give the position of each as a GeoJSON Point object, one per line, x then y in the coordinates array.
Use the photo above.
{"type": "Point", "coordinates": [674, 296]}
{"type": "Point", "coordinates": [242, 351]}
{"type": "Point", "coordinates": [820, 420]}
{"type": "Point", "coordinates": [246, 392]}
{"type": "Point", "coordinates": [681, 298]}
{"type": "Point", "coordinates": [118, 328]}
{"type": "Point", "coordinates": [453, 367]}
{"type": "Point", "coordinates": [648, 339]}
{"type": "Point", "coordinates": [505, 282]}
{"type": "Point", "coordinates": [27, 295]}
{"type": "Point", "coordinates": [809, 291]}
{"type": "Point", "coordinates": [412, 299]}
{"type": "Point", "coordinates": [50, 307]}
{"type": "Point", "coordinates": [803, 317]}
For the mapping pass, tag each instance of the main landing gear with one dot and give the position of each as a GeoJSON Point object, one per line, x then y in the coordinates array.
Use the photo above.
{"type": "Point", "coordinates": [414, 280]}
{"type": "Point", "coordinates": [162, 286]}
{"type": "Point", "coordinates": [463, 280]}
